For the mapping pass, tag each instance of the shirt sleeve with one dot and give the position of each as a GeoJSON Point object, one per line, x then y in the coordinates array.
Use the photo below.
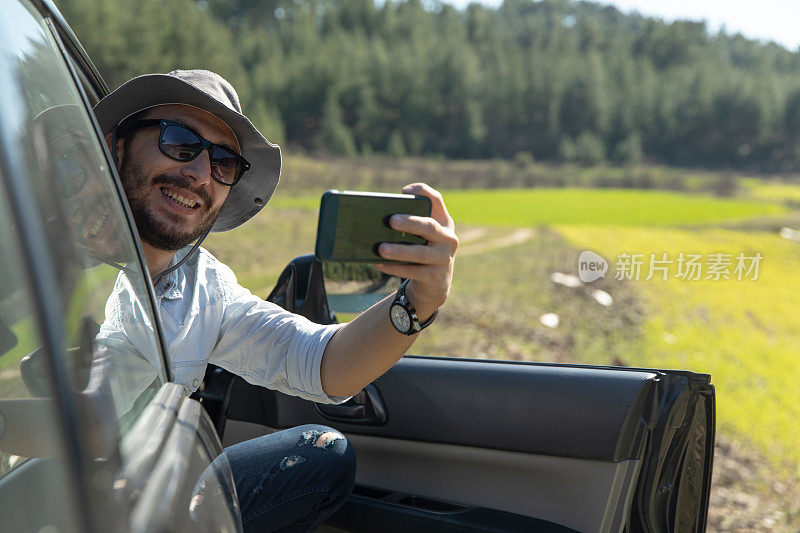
{"type": "Point", "coordinates": [270, 346]}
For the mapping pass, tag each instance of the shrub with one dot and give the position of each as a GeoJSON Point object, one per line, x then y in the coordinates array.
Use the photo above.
{"type": "Point", "coordinates": [589, 149]}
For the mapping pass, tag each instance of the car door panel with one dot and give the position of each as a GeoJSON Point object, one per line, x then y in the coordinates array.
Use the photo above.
{"type": "Point", "coordinates": [437, 399]}
{"type": "Point", "coordinates": [420, 477]}
{"type": "Point", "coordinates": [561, 443]}
{"type": "Point", "coordinates": [36, 476]}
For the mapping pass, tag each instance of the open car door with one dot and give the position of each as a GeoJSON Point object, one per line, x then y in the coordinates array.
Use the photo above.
{"type": "Point", "coordinates": [454, 444]}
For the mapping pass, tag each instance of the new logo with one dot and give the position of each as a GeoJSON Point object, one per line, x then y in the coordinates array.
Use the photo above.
{"type": "Point", "coordinates": [591, 266]}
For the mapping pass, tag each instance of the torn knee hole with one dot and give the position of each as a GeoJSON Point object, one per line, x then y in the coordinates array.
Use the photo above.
{"type": "Point", "coordinates": [326, 439]}
{"type": "Point", "coordinates": [319, 439]}
{"type": "Point", "coordinates": [289, 462]}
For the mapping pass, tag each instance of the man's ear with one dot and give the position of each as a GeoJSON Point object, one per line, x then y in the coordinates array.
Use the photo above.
{"type": "Point", "coordinates": [109, 140]}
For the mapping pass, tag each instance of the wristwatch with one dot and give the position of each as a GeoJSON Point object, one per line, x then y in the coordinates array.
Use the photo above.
{"type": "Point", "coordinates": [404, 316]}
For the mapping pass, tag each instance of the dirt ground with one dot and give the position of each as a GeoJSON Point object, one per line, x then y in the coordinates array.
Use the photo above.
{"type": "Point", "coordinates": [744, 498]}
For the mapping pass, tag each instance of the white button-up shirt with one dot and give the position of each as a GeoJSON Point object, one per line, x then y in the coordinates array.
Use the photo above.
{"type": "Point", "coordinates": [208, 317]}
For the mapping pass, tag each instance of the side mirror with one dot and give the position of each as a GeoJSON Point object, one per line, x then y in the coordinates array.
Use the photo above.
{"type": "Point", "coordinates": [317, 291]}
{"type": "Point", "coordinates": [301, 289]}
{"type": "Point", "coordinates": [355, 287]}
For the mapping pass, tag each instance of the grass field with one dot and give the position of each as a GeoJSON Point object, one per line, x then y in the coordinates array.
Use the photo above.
{"type": "Point", "coordinates": [602, 207]}
{"type": "Point", "coordinates": [545, 206]}
{"type": "Point", "coordinates": [772, 191]}
{"type": "Point", "coordinates": [744, 333]}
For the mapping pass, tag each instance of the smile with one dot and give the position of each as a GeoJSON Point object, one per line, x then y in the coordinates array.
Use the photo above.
{"type": "Point", "coordinates": [180, 200]}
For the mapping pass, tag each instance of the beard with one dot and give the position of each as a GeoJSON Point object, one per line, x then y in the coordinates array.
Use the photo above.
{"type": "Point", "coordinates": [158, 233]}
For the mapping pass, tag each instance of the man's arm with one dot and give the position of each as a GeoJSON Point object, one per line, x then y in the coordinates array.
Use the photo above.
{"type": "Point", "coordinates": [369, 345]}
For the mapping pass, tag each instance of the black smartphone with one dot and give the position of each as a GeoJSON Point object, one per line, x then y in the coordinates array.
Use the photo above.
{"type": "Point", "coordinates": [352, 224]}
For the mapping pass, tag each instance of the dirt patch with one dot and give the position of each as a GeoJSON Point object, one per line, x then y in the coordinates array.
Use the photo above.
{"type": "Point", "coordinates": [467, 235]}
{"type": "Point", "coordinates": [745, 496]}
{"type": "Point", "coordinates": [515, 237]}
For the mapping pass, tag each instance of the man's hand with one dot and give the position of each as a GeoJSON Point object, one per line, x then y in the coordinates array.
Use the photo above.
{"type": "Point", "coordinates": [432, 275]}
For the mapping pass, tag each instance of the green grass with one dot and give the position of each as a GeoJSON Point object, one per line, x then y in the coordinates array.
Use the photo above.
{"type": "Point", "coordinates": [770, 191]}
{"type": "Point", "coordinates": [27, 341]}
{"type": "Point", "coordinates": [534, 207]}
{"type": "Point", "coordinates": [259, 250]}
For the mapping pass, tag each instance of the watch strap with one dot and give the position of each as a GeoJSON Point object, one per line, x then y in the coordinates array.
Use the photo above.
{"type": "Point", "coordinates": [429, 321]}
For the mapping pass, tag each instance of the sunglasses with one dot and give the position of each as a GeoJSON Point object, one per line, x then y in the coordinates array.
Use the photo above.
{"type": "Point", "coordinates": [182, 143]}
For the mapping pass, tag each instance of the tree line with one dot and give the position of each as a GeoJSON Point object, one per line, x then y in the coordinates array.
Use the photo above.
{"type": "Point", "coordinates": [553, 80]}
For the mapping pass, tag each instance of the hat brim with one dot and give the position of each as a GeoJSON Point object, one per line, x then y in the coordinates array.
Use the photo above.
{"type": "Point", "coordinates": [256, 187]}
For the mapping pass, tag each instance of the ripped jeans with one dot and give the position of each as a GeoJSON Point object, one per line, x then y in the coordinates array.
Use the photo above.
{"type": "Point", "coordinates": [292, 480]}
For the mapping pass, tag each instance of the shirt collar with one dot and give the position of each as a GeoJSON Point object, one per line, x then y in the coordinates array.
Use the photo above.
{"type": "Point", "coordinates": [170, 286]}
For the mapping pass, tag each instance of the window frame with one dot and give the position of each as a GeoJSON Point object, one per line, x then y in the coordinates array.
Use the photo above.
{"type": "Point", "coordinates": [101, 90]}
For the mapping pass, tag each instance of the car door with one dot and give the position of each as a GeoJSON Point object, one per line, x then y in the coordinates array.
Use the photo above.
{"type": "Point", "coordinates": [93, 437]}
{"type": "Point", "coordinates": [453, 444]}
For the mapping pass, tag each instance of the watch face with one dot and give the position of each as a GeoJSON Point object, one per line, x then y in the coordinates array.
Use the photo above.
{"type": "Point", "coordinates": [400, 318]}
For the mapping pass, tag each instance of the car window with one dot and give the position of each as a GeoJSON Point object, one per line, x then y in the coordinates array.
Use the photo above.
{"type": "Point", "coordinates": [33, 449]}
{"type": "Point", "coordinates": [111, 345]}
{"type": "Point", "coordinates": [20, 346]}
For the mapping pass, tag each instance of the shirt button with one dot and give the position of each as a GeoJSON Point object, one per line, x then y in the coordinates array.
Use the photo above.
{"type": "Point", "coordinates": [195, 383]}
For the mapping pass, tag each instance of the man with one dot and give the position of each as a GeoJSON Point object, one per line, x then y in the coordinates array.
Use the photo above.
{"type": "Point", "coordinates": [190, 163]}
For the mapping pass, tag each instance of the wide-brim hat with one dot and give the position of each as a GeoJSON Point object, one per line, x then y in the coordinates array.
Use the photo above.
{"type": "Point", "coordinates": [211, 92]}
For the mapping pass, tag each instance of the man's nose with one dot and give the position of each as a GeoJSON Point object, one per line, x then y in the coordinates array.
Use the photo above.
{"type": "Point", "coordinates": [199, 168]}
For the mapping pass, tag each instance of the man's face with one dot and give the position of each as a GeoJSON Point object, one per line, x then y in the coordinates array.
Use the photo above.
{"type": "Point", "coordinates": [155, 184]}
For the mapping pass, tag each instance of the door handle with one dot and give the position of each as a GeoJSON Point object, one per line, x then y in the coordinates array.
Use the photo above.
{"type": "Point", "coordinates": [366, 407]}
